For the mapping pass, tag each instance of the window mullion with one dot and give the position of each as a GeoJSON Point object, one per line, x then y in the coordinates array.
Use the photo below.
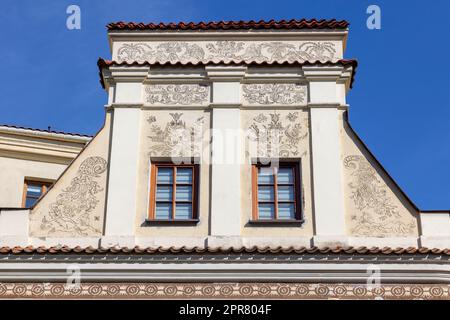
{"type": "Point", "coordinates": [192, 192]}
{"type": "Point", "coordinates": [174, 192]}
{"type": "Point", "coordinates": [275, 196]}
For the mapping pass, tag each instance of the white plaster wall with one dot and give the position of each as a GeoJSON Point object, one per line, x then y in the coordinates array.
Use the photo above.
{"type": "Point", "coordinates": [14, 227]}
{"type": "Point", "coordinates": [435, 229]}
{"type": "Point", "coordinates": [13, 173]}
{"type": "Point", "coordinates": [14, 222]}
{"type": "Point", "coordinates": [327, 175]}
{"type": "Point", "coordinates": [122, 182]}
{"type": "Point", "coordinates": [435, 224]}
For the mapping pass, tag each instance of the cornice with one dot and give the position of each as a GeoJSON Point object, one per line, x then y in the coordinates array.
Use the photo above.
{"type": "Point", "coordinates": [146, 72]}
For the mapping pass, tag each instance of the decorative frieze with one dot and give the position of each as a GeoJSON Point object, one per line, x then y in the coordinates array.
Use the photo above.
{"type": "Point", "coordinates": [223, 291]}
{"type": "Point", "coordinates": [274, 93]}
{"type": "Point", "coordinates": [177, 94]}
{"type": "Point", "coordinates": [227, 51]}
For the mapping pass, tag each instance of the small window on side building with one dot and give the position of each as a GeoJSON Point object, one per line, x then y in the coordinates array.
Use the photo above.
{"type": "Point", "coordinates": [33, 190]}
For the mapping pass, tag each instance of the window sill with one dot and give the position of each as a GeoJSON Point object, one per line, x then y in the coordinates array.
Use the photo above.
{"type": "Point", "coordinates": [275, 223]}
{"type": "Point", "coordinates": [186, 222]}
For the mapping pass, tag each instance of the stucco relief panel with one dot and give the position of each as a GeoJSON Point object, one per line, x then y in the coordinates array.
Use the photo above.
{"type": "Point", "coordinates": [276, 134]}
{"type": "Point", "coordinates": [375, 211]}
{"type": "Point", "coordinates": [72, 212]}
{"type": "Point", "coordinates": [227, 50]}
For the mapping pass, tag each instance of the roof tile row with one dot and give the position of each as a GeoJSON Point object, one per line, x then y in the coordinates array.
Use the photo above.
{"type": "Point", "coordinates": [233, 25]}
{"type": "Point", "coordinates": [48, 131]}
{"type": "Point", "coordinates": [102, 63]}
{"type": "Point", "coordinates": [222, 250]}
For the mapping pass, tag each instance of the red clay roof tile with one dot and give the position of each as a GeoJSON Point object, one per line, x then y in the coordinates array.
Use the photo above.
{"type": "Point", "coordinates": [233, 25]}
{"type": "Point", "coordinates": [102, 63]}
{"type": "Point", "coordinates": [219, 250]}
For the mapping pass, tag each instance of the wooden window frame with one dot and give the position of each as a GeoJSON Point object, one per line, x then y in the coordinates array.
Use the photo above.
{"type": "Point", "coordinates": [297, 194]}
{"type": "Point", "coordinates": [45, 185]}
{"type": "Point", "coordinates": [152, 197]}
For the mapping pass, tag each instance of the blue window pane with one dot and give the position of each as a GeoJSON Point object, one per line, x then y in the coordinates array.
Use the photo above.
{"type": "Point", "coordinates": [163, 210]}
{"type": "Point", "coordinates": [265, 193]}
{"type": "Point", "coordinates": [164, 193]}
{"type": "Point", "coordinates": [165, 175]}
{"type": "Point", "coordinates": [184, 175]}
{"type": "Point", "coordinates": [184, 193]}
{"type": "Point", "coordinates": [29, 202]}
{"type": "Point", "coordinates": [34, 190]}
{"type": "Point", "coordinates": [266, 211]}
{"type": "Point", "coordinates": [285, 175]}
{"type": "Point", "coordinates": [183, 211]}
{"type": "Point", "coordinates": [286, 211]}
{"type": "Point", "coordinates": [265, 176]}
{"type": "Point", "coordinates": [285, 193]}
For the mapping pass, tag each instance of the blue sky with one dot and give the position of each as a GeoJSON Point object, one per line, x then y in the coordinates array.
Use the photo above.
{"type": "Point", "coordinates": [400, 103]}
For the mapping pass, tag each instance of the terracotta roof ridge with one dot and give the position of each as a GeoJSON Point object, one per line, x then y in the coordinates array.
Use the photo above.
{"type": "Point", "coordinates": [362, 250]}
{"type": "Point", "coordinates": [45, 131]}
{"type": "Point", "coordinates": [233, 25]}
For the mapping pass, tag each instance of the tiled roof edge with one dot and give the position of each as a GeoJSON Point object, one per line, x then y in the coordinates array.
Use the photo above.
{"type": "Point", "coordinates": [222, 250]}
{"type": "Point", "coordinates": [102, 63]}
{"type": "Point", "coordinates": [45, 131]}
{"type": "Point", "coordinates": [233, 25]}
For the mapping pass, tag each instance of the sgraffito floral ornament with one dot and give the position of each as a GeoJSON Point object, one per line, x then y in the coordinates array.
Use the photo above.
{"type": "Point", "coordinates": [378, 215]}
{"type": "Point", "coordinates": [274, 93]}
{"type": "Point", "coordinates": [228, 51]}
{"type": "Point", "coordinates": [73, 211]}
{"type": "Point", "coordinates": [276, 135]}
{"type": "Point", "coordinates": [163, 52]}
{"type": "Point", "coordinates": [176, 139]}
{"type": "Point", "coordinates": [177, 94]}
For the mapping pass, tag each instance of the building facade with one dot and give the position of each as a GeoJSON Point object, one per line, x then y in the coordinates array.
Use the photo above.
{"type": "Point", "coordinates": [226, 168]}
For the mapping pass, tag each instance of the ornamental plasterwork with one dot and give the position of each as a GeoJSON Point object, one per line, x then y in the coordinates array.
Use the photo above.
{"type": "Point", "coordinates": [274, 93]}
{"type": "Point", "coordinates": [378, 215]}
{"type": "Point", "coordinates": [240, 290]}
{"type": "Point", "coordinates": [172, 51]}
{"type": "Point", "coordinates": [276, 135]}
{"type": "Point", "coordinates": [177, 94]}
{"type": "Point", "coordinates": [228, 51]}
{"type": "Point", "coordinates": [176, 138]}
{"type": "Point", "coordinates": [73, 211]}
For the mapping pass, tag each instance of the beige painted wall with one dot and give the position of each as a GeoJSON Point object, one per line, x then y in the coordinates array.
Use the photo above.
{"type": "Point", "coordinates": [374, 205]}
{"type": "Point", "coordinates": [13, 173]}
{"type": "Point", "coordinates": [75, 205]}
